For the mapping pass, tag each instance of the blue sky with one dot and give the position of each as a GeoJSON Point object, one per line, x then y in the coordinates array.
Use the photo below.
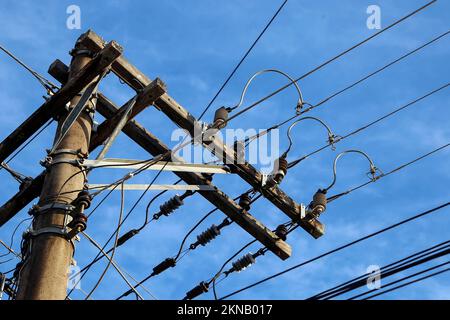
{"type": "Point", "coordinates": [192, 46]}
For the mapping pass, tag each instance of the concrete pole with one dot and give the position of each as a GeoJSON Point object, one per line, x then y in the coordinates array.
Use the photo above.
{"type": "Point", "coordinates": [44, 274]}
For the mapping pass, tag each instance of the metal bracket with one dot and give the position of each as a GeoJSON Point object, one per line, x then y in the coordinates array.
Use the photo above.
{"type": "Point", "coordinates": [64, 232]}
{"type": "Point", "coordinates": [302, 211]}
{"type": "Point", "coordinates": [36, 209]}
{"type": "Point", "coordinates": [152, 187]}
{"type": "Point", "coordinates": [48, 162]}
{"type": "Point", "coordinates": [67, 151]}
{"type": "Point", "coordinates": [160, 165]}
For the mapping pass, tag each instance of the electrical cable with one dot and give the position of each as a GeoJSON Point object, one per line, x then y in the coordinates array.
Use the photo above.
{"type": "Point", "coordinates": [350, 86]}
{"type": "Point", "coordinates": [408, 283]}
{"type": "Point", "coordinates": [349, 244]}
{"type": "Point", "coordinates": [330, 293]}
{"type": "Point", "coordinates": [114, 264]}
{"type": "Point", "coordinates": [47, 84]}
{"type": "Point", "coordinates": [99, 256]}
{"type": "Point", "coordinates": [386, 271]}
{"type": "Point", "coordinates": [122, 204]}
{"type": "Point", "coordinates": [400, 280]}
{"type": "Point", "coordinates": [332, 59]}
{"type": "Point", "coordinates": [242, 59]}
{"type": "Point", "coordinates": [366, 126]}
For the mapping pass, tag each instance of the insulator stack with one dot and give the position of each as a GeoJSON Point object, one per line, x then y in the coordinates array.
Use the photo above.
{"type": "Point", "coordinates": [282, 232]}
{"type": "Point", "coordinates": [245, 201]}
{"type": "Point", "coordinates": [169, 207]}
{"type": "Point", "coordinates": [208, 235]}
{"type": "Point", "coordinates": [243, 263]}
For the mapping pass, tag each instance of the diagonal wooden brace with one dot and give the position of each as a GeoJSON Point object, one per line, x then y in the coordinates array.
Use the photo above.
{"type": "Point", "coordinates": [155, 147]}
{"type": "Point", "coordinates": [136, 79]}
{"type": "Point", "coordinates": [55, 104]}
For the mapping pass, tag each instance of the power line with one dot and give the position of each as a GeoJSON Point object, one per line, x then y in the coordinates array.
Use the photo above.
{"type": "Point", "coordinates": [409, 283]}
{"type": "Point", "coordinates": [336, 196]}
{"type": "Point", "coordinates": [122, 205]}
{"type": "Point", "coordinates": [348, 87]}
{"type": "Point", "coordinates": [47, 84]}
{"type": "Point", "coordinates": [332, 59]}
{"type": "Point", "coordinates": [366, 126]}
{"type": "Point", "coordinates": [400, 280]}
{"type": "Point", "coordinates": [242, 59]}
{"type": "Point", "coordinates": [386, 271]}
{"type": "Point", "coordinates": [371, 235]}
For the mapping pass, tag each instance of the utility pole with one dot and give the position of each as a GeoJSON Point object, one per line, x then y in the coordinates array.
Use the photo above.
{"type": "Point", "coordinates": [44, 274]}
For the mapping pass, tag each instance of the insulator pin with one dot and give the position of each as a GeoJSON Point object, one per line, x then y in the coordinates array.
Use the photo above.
{"type": "Point", "coordinates": [281, 166]}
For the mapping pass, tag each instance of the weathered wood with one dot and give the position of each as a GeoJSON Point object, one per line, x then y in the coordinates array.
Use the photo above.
{"type": "Point", "coordinates": [155, 147]}
{"type": "Point", "coordinates": [21, 199]}
{"type": "Point", "coordinates": [136, 79]}
{"type": "Point", "coordinates": [56, 103]}
{"type": "Point", "coordinates": [144, 98]}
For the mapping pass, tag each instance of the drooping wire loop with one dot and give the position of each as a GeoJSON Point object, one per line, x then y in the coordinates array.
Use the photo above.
{"type": "Point", "coordinates": [372, 170]}
{"type": "Point", "coordinates": [300, 101]}
{"type": "Point", "coordinates": [332, 138]}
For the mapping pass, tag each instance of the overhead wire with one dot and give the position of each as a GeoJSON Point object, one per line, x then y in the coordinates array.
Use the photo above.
{"type": "Point", "coordinates": [409, 283]}
{"type": "Point", "coordinates": [353, 283]}
{"type": "Point", "coordinates": [368, 125]}
{"type": "Point", "coordinates": [242, 59]}
{"type": "Point", "coordinates": [383, 175]}
{"type": "Point", "coordinates": [409, 262]}
{"type": "Point", "coordinates": [122, 204]}
{"type": "Point", "coordinates": [340, 248]}
{"type": "Point", "coordinates": [348, 87]}
{"type": "Point", "coordinates": [332, 59]}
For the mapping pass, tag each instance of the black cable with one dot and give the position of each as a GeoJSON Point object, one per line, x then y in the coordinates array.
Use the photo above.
{"type": "Point", "coordinates": [216, 276]}
{"type": "Point", "coordinates": [337, 93]}
{"type": "Point", "coordinates": [47, 84]}
{"type": "Point", "coordinates": [99, 256]}
{"type": "Point", "coordinates": [385, 272]}
{"type": "Point", "coordinates": [242, 59]}
{"type": "Point", "coordinates": [338, 249]}
{"type": "Point", "coordinates": [408, 283]}
{"type": "Point", "coordinates": [400, 280]}
{"type": "Point", "coordinates": [332, 59]}
{"type": "Point", "coordinates": [290, 224]}
{"type": "Point", "coordinates": [329, 293]}
{"type": "Point", "coordinates": [122, 205]}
